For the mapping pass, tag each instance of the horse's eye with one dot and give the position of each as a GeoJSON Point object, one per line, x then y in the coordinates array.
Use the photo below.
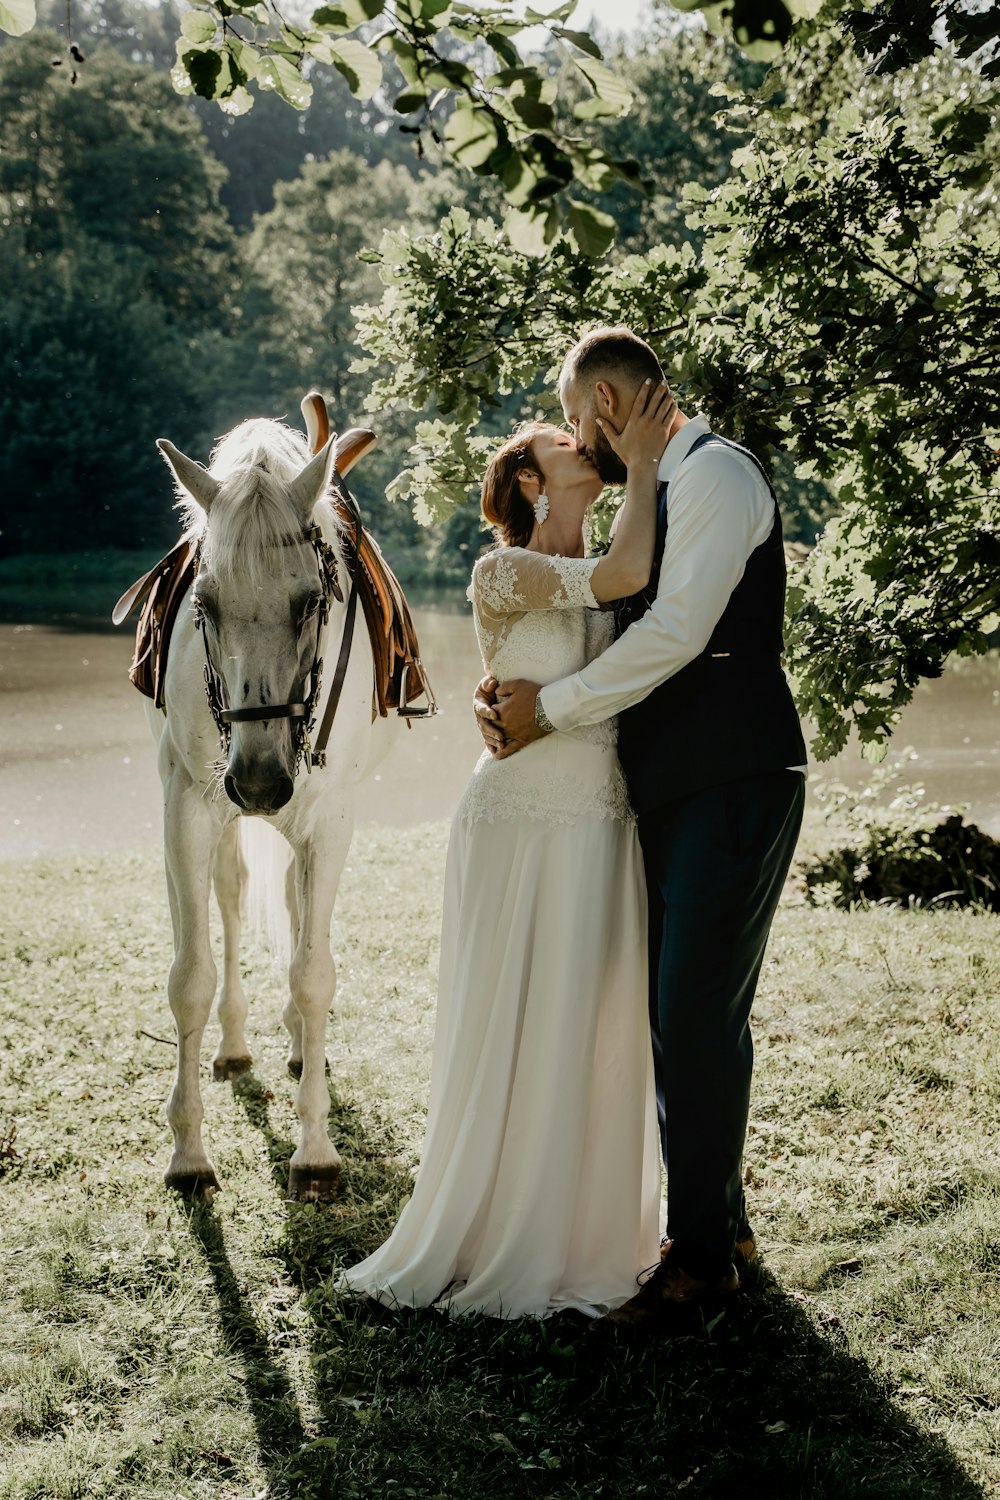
{"type": "Point", "coordinates": [203, 608]}
{"type": "Point", "coordinates": [309, 608]}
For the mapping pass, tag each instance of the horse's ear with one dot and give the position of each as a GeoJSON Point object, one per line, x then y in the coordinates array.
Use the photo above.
{"type": "Point", "coordinates": [352, 445]}
{"type": "Point", "coordinates": [317, 419]}
{"type": "Point", "coordinates": [309, 484]}
{"type": "Point", "coordinates": [190, 475]}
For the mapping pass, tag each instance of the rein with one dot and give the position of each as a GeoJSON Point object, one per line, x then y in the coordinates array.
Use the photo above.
{"type": "Point", "coordinates": [302, 714]}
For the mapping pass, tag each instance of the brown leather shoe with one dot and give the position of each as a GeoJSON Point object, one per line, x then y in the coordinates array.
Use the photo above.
{"type": "Point", "coordinates": [746, 1250]}
{"type": "Point", "coordinates": [668, 1288]}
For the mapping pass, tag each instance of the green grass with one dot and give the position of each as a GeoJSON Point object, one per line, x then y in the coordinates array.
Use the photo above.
{"type": "Point", "coordinates": [151, 1351]}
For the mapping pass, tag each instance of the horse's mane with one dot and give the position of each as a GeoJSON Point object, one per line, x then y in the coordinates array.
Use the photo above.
{"type": "Point", "coordinates": [251, 515]}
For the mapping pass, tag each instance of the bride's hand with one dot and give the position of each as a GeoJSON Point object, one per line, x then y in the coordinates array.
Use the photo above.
{"type": "Point", "coordinates": [643, 438]}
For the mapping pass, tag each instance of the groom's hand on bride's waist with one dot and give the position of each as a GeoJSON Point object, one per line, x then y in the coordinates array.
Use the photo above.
{"type": "Point", "coordinates": [484, 703]}
{"type": "Point", "coordinates": [515, 712]}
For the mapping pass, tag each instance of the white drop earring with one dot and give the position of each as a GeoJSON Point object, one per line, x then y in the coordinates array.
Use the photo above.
{"type": "Point", "coordinates": [541, 507]}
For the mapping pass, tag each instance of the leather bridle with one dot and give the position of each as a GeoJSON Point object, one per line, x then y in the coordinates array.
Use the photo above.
{"type": "Point", "coordinates": [302, 714]}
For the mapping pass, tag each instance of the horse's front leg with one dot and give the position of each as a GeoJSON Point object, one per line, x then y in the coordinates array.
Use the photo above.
{"type": "Point", "coordinates": [232, 1056]}
{"type": "Point", "coordinates": [190, 836]}
{"type": "Point", "coordinates": [294, 878]}
{"type": "Point", "coordinates": [315, 1166]}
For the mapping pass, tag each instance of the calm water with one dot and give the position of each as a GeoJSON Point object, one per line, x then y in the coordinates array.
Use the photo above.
{"type": "Point", "coordinates": [77, 769]}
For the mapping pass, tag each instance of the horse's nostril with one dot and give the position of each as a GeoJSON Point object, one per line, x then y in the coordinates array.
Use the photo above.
{"type": "Point", "coordinates": [232, 792]}
{"type": "Point", "coordinates": [263, 797]}
{"type": "Point", "coordinates": [282, 792]}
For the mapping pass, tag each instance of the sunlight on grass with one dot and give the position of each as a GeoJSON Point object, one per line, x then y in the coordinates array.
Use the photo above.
{"type": "Point", "coordinates": [156, 1351]}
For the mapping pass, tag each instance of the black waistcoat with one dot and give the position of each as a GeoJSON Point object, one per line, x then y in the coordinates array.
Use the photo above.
{"type": "Point", "coordinates": [729, 713]}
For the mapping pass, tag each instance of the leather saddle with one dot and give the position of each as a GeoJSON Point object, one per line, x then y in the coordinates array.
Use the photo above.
{"type": "Point", "coordinates": [399, 673]}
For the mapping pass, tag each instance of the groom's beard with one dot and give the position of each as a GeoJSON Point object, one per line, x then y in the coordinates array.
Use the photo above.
{"type": "Point", "coordinates": [606, 461]}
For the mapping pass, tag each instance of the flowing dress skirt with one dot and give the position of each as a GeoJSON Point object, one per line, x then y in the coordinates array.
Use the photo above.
{"type": "Point", "coordinates": [539, 1183]}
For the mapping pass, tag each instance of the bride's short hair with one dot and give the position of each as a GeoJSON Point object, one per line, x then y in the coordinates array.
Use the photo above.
{"type": "Point", "coordinates": [503, 505]}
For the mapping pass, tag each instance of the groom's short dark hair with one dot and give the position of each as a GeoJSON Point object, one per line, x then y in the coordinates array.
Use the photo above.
{"type": "Point", "coordinates": [610, 353]}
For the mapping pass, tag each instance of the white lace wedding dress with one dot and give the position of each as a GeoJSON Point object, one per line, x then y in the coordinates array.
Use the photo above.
{"type": "Point", "coordinates": [539, 1183]}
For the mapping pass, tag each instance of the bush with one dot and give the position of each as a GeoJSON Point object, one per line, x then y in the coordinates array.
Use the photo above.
{"type": "Point", "coordinates": [904, 853]}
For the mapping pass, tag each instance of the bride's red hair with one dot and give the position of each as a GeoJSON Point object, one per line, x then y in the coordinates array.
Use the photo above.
{"type": "Point", "coordinates": [503, 506]}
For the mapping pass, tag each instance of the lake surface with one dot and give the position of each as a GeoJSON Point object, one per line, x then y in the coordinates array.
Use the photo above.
{"type": "Point", "coordinates": [77, 769]}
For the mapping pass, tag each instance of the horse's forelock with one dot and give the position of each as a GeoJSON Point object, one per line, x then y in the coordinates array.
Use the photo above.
{"type": "Point", "coordinates": [252, 515]}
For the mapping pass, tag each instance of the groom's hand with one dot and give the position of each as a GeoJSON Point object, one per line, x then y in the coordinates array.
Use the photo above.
{"type": "Point", "coordinates": [515, 710]}
{"type": "Point", "coordinates": [484, 703]}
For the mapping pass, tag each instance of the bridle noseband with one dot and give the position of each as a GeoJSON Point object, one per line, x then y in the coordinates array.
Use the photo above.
{"type": "Point", "coordinates": [301, 714]}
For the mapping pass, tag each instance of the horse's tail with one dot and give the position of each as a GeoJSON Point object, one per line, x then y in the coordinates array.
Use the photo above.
{"type": "Point", "coordinates": [267, 857]}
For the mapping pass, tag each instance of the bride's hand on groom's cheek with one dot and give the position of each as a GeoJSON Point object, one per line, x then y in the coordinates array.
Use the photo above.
{"type": "Point", "coordinates": [484, 704]}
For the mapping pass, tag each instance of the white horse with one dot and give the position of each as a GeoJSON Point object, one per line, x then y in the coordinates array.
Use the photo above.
{"type": "Point", "coordinates": [269, 602]}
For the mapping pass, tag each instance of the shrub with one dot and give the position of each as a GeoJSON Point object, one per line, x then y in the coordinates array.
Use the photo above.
{"type": "Point", "coordinates": [904, 853]}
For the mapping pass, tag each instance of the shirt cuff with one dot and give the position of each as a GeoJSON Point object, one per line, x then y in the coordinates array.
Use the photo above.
{"type": "Point", "coordinates": [542, 720]}
{"type": "Point", "coordinates": [557, 701]}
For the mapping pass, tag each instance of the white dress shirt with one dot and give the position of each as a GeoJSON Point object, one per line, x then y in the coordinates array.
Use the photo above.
{"type": "Point", "coordinates": [719, 511]}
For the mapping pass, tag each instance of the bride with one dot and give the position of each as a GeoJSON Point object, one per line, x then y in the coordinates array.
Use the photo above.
{"type": "Point", "coordinates": [538, 1187]}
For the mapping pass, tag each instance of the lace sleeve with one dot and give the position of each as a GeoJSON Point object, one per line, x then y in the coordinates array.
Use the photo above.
{"type": "Point", "coordinates": [512, 580]}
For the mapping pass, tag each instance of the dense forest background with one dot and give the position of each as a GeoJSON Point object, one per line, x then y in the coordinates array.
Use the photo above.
{"type": "Point", "coordinates": [169, 269]}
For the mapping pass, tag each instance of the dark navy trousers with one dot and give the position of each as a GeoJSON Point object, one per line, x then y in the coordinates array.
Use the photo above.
{"type": "Point", "coordinates": [716, 861]}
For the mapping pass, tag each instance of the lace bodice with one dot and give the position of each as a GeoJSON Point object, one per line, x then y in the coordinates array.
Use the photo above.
{"type": "Point", "coordinates": [511, 582]}
{"type": "Point", "coordinates": [536, 618]}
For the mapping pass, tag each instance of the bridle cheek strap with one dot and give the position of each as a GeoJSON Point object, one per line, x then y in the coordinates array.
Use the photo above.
{"type": "Point", "coordinates": [318, 756]}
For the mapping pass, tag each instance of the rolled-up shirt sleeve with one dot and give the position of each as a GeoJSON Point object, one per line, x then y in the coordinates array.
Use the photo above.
{"type": "Point", "coordinates": [719, 510]}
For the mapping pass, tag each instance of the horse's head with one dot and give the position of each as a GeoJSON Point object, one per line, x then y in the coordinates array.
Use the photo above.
{"type": "Point", "coordinates": [259, 594]}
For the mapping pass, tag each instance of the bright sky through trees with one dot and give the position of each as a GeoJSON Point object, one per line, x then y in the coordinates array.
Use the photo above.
{"type": "Point", "coordinates": [609, 15]}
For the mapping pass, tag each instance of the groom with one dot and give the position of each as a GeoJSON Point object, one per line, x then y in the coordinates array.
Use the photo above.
{"type": "Point", "coordinates": [710, 744]}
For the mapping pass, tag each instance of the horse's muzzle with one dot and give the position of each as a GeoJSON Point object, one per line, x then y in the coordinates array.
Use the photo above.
{"type": "Point", "coordinates": [262, 796]}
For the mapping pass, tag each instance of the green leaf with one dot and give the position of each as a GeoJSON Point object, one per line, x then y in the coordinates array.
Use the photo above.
{"type": "Point", "coordinates": [410, 100]}
{"type": "Point", "coordinates": [423, 16]}
{"type": "Point", "coordinates": [504, 49]}
{"type": "Point", "coordinates": [541, 17]}
{"type": "Point", "coordinates": [284, 78]}
{"type": "Point", "coordinates": [197, 27]}
{"type": "Point", "coordinates": [471, 136]}
{"type": "Point", "coordinates": [612, 95]}
{"type": "Point", "coordinates": [530, 111]}
{"type": "Point", "coordinates": [579, 39]}
{"type": "Point", "coordinates": [180, 78]}
{"type": "Point", "coordinates": [203, 69]}
{"type": "Point", "coordinates": [17, 16]}
{"type": "Point", "coordinates": [593, 230]}
{"type": "Point", "coordinates": [532, 230]}
{"type": "Point", "coordinates": [405, 54]}
{"type": "Point", "coordinates": [359, 66]}
{"type": "Point", "coordinates": [347, 15]}
{"type": "Point", "coordinates": [248, 57]}
{"type": "Point", "coordinates": [239, 102]}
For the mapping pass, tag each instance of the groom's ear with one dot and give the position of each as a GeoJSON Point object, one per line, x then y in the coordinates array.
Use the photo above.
{"type": "Point", "coordinates": [607, 400]}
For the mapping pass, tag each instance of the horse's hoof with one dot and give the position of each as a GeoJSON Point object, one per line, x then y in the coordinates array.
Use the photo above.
{"type": "Point", "coordinates": [196, 1187]}
{"type": "Point", "coordinates": [313, 1184]}
{"type": "Point", "coordinates": [295, 1067]}
{"type": "Point", "coordinates": [226, 1068]}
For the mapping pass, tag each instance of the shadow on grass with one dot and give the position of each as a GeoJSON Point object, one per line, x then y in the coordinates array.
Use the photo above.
{"type": "Point", "coordinates": [251, 1094]}
{"type": "Point", "coordinates": [270, 1396]}
{"type": "Point", "coordinates": [763, 1401]}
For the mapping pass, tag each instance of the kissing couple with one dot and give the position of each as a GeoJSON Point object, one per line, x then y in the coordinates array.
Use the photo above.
{"type": "Point", "coordinates": [613, 871]}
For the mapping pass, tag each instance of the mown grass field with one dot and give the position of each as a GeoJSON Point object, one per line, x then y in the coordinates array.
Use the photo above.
{"type": "Point", "coordinates": [148, 1350]}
